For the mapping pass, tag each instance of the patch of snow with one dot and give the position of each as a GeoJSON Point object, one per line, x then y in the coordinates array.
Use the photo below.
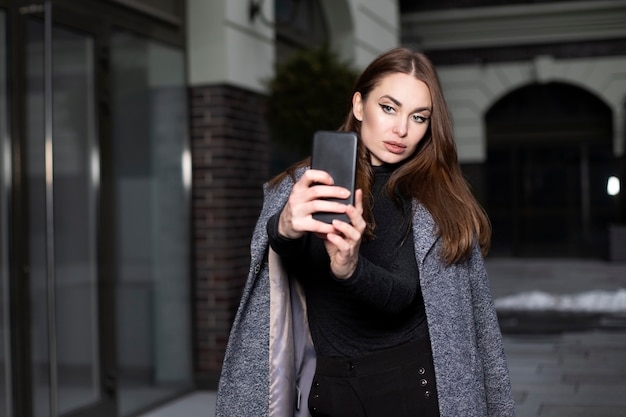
{"type": "Point", "coordinates": [596, 301]}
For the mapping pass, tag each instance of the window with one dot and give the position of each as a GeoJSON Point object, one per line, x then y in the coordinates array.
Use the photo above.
{"type": "Point", "coordinates": [151, 164]}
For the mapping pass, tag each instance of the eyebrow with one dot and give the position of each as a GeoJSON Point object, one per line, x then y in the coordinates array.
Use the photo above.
{"type": "Point", "coordinates": [397, 103]}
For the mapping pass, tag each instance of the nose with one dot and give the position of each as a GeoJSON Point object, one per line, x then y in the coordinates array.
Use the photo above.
{"type": "Point", "coordinates": [401, 127]}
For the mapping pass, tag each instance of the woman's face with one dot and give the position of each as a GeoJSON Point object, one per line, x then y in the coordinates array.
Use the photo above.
{"type": "Point", "coordinates": [394, 117]}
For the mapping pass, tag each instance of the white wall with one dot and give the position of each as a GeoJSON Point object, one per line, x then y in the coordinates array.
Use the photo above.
{"type": "Point", "coordinates": [225, 47]}
{"type": "Point", "coordinates": [376, 28]}
{"type": "Point", "coordinates": [471, 90]}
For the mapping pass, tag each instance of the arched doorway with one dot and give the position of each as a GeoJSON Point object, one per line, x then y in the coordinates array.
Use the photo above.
{"type": "Point", "coordinates": [549, 154]}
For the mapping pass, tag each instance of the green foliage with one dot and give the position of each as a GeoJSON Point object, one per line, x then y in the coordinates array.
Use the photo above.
{"type": "Point", "coordinates": [311, 91]}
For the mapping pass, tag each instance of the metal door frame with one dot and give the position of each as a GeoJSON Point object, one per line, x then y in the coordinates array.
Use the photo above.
{"type": "Point", "coordinates": [21, 343]}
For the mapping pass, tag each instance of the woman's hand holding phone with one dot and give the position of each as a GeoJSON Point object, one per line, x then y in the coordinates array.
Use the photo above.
{"type": "Point", "coordinates": [343, 244]}
{"type": "Point", "coordinates": [317, 205]}
{"type": "Point", "coordinates": [310, 195]}
{"type": "Point", "coordinates": [342, 240]}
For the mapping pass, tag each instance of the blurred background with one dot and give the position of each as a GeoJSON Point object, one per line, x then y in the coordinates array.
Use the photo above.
{"type": "Point", "coordinates": [135, 136]}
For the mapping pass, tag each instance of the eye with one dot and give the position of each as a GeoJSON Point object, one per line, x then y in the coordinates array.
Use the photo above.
{"type": "Point", "coordinates": [419, 119]}
{"type": "Point", "coordinates": [387, 108]}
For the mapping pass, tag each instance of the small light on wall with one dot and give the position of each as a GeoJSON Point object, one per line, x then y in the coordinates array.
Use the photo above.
{"type": "Point", "coordinates": [186, 168]}
{"type": "Point", "coordinates": [613, 186]}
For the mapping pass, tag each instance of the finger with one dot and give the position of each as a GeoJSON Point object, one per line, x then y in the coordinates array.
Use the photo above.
{"type": "Point", "coordinates": [348, 231]}
{"type": "Point", "coordinates": [305, 202]}
{"type": "Point", "coordinates": [339, 242]}
{"type": "Point", "coordinates": [356, 219]}
{"type": "Point", "coordinates": [315, 176]}
{"type": "Point", "coordinates": [358, 200]}
{"type": "Point", "coordinates": [328, 191]}
{"type": "Point", "coordinates": [355, 213]}
{"type": "Point", "coordinates": [326, 206]}
{"type": "Point", "coordinates": [296, 217]}
{"type": "Point", "coordinates": [307, 223]}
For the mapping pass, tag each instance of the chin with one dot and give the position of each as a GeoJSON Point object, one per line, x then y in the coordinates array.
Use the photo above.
{"type": "Point", "coordinates": [394, 161]}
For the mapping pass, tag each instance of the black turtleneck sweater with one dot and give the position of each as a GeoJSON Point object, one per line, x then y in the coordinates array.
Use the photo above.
{"type": "Point", "coordinates": [380, 305]}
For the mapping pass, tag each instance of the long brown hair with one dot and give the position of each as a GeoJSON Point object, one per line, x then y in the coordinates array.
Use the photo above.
{"type": "Point", "coordinates": [432, 175]}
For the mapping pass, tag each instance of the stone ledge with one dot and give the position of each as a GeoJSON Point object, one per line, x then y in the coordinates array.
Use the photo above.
{"type": "Point", "coordinates": [542, 322]}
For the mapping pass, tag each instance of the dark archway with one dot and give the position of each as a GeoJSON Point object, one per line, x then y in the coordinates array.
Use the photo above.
{"type": "Point", "coordinates": [549, 155]}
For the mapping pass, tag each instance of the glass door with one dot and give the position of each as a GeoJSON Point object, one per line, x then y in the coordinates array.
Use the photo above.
{"type": "Point", "coordinates": [5, 181]}
{"type": "Point", "coordinates": [151, 161]}
{"type": "Point", "coordinates": [63, 168]}
{"type": "Point", "coordinates": [94, 211]}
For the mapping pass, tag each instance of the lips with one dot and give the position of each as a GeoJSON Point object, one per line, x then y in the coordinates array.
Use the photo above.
{"type": "Point", "coordinates": [394, 147]}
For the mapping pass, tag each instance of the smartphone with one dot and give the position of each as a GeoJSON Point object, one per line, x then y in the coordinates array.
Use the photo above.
{"type": "Point", "coordinates": [335, 153]}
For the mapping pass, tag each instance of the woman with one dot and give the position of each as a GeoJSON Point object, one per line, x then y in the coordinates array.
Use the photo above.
{"type": "Point", "coordinates": [390, 314]}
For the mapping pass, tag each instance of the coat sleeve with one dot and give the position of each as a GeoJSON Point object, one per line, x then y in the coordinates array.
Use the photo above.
{"type": "Point", "coordinates": [244, 380]}
{"type": "Point", "coordinates": [489, 339]}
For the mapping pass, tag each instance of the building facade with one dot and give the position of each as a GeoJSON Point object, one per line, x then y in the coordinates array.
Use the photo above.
{"type": "Point", "coordinates": [537, 92]}
{"type": "Point", "coordinates": [134, 149]}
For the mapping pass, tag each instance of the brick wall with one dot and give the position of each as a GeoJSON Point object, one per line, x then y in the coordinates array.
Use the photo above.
{"type": "Point", "coordinates": [230, 164]}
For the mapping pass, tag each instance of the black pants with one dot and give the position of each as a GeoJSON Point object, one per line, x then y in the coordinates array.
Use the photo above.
{"type": "Point", "coordinates": [398, 382]}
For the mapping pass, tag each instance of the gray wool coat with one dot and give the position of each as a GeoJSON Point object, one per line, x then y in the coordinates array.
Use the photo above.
{"type": "Point", "coordinates": [270, 360]}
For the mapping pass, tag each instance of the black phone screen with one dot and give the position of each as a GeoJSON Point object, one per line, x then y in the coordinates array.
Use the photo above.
{"type": "Point", "coordinates": [335, 153]}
